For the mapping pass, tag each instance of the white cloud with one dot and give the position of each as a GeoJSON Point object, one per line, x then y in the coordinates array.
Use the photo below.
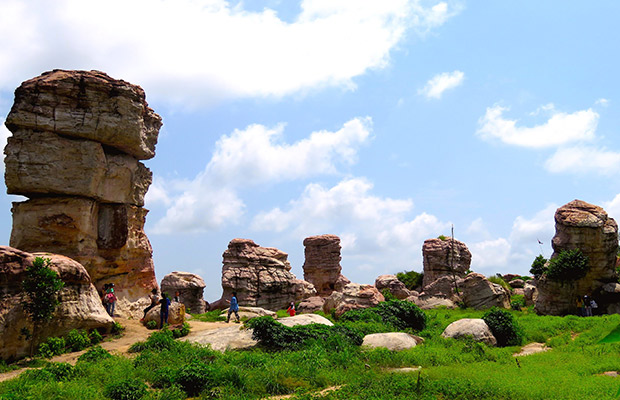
{"type": "Point", "coordinates": [579, 160]}
{"type": "Point", "coordinates": [440, 83]}
{"type": "Point", "coordinates": [199, 52]}
{"type": "Point", "coordinates": [490, 256]}
{"type": "Point", "coordinates": [613, 207]}
{"type": "Point", "coordinates": [560, 128]}
{"type": "Point", "coordinates": [477, 227]}
{"type": "Point", "coordinates": [602, 102]}
{"type": "Point", "coordinates": [540, 227]}
{"type": "Point", "coordinates": [247, 158]}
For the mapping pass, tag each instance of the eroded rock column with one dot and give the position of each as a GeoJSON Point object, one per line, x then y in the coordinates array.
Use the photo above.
{"type": "Point", "coordinates": [444, 257]}
{"type": "Point", "coordinates": [322, 265]}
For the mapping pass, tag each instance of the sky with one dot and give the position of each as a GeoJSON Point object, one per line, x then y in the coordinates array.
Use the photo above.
{"type": "Point", "coordinates": [383, 122]}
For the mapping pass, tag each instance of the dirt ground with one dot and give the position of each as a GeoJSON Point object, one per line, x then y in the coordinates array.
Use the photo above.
{"type": "Point", "coordinates": [134, 332]}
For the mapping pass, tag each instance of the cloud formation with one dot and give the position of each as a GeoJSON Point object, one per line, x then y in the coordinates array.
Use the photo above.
{"type": "Point", "coordinates": [199, 52]}
{"type": "Point", "coordinates": [581, 160]}
{"type": "Point", "coordinates": [440, 83]}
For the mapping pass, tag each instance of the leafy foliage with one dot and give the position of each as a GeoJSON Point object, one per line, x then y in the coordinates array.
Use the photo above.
{"type": "Point", "coordinates": [411, 279]}
{"type": "Point", "coordinates": [53, 346]}
{"type": "Point", "coordinates": [503, 327]}
{"type": "Point", "coordinates": [569, 265]}
{"type": "Point", "coordinates": [538, 266]}
{"type": "Point", "coordinates": [41, 286]}
{"type": "Point", "coordinates": [196, 376]}
{"type": "Point", "coordinates": [95, 337]}
{"type": "Point", "coordinates": [396, 313]}
{"type": "Point", "coordinates": [128, 389]}
{"type": "Point", "coordinates": [77, 340]}
{"type": "Point", "coordinates": [95, 354]}
{"type": "Point", "coordinates": [160, 340]}
{"type": "Point", "coordinates": [117, 328]}
{"type": "Point", "coordinates": [61, 371]}
{"type": "Point", "coordinates": [182, 331]}
{"type": "Point", "coordinates": [151, 325]}
{"type": "Point", "coordinates": [497, 279]}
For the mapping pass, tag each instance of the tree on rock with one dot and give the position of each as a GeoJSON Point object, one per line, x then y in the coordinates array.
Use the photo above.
{"type": "Point", "coordinates": [41, 287]}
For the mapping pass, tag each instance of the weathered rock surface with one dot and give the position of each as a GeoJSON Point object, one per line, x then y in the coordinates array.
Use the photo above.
{"type": "Point", "coordinates": [260, 275]}
{"type": "Point", "coordinates": [394, 341]}
{"type": "Point", "coordinates": [427, 302]}
{"type": "Point", "coordinates": [80, 305]}
{"type": "Point", "coordinates": [229, 338]}
{"type": "Point", "coordinates": [474, 327]}
{"type": "Point", "coordinates": [76, 140]}
{"type": "Point", "coordinates": [517, 283]}
{"type": "Point", "coordinates": [305, 319]}
{"type": "Point", "coordinates": [444, 257]}
{"type": "Point", "coordinates": [584, 226]}
{"type": "Point", "coordinates": [532, 348]}
{"type": "Point", "coordinates": [190, 287]}
{"type": "Point", "coordinates": [311, 304]}
{"type": "Point", "coordinates": [480, 293]}
{"type": "Point", "coordinates": [303, 289]}
{"type": "Point", "coordinates": [322, 265]}
{"type": "Point", "coordinates": [393, 285]}
{"type": "Point", "coordinates": [247, 313]}
{"type": "Point", "coordinates": [176, 314]}
{"type": "Point", "coordinates": [445, 286]}
{"type": "Point", "coordinates": [530, 293]}
{"type": "Point", "coordinates": [353, 296]}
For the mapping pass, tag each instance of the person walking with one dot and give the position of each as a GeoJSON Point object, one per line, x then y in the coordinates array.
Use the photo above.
{"type": "Point", "coordinates": [154, 301]}
{"type": "Point", "coordinates": [163, 313]}
{"type": "Point", "coordinates": [234, 307]}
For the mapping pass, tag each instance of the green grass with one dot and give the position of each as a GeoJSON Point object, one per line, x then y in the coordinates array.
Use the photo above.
{"type": "Point", "coordinates": [613, 337]}
{"type": "Point", "coordinates": [209, 316]}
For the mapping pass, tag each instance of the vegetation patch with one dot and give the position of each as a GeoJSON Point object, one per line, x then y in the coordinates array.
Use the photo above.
{"type": "Point", "coordinates": [569, 265]}
{"type": "Point", "coordinates": [503, 326]}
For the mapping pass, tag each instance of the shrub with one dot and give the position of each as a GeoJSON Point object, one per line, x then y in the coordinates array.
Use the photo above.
{"type": "Point", "coordinates": [95, 354]}
{"type": "Point", "coordinates": [61, 371]}
{"type": "Point", "coordinates": [569, 265]}
{"type": "Point", "coordinates": [411, 279]}
{"type": "Point", "coordinates": [500, 281]}
{"type": "Point", "coordinates": [397, 313]}
{"type": "Point", "coordinates": [503, 326]}
{"type": "Point", "coordinates": [151, 325]}
{"type": "Point", "coordinates": [128, 389]}
{"type": "Point", "coordinates": [182, 331]}
{"type": "Point", "coordinates": [194, 377]}
{"type": "Point", "coordinates": [517, 302]}
{"type": "Point", "coordinates": [117, 328]}
{"type": "Point", "coordinates": [53, 346]}
{"type": "Point", "coordinates": [538, 266]}
{"type": "Point", "coordinates": [95, 337]}
{"type": "Point", "coordinates": [160, 340]}
{"type": "Point", "coordinates": [77, 340]}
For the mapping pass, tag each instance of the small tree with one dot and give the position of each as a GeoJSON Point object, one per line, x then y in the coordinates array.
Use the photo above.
{"type": "Point", "coordinates": [539, 266]}
{"type": "Point", "coordinates": [41, 287]}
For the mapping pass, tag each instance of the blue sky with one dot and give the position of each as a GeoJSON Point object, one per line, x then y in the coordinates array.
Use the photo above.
{"type": "Point", "coordinates": [382, 122]}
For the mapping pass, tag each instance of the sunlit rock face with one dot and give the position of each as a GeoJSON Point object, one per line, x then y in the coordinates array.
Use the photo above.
{"type": "Point", "coordinates": [584, 226]}
{"type": "Point", "coordinates": [77, 138]}
{"type": "Point", "coordinates": [443, 257]}
{"type": "Point", "coordinates": [322, 265]}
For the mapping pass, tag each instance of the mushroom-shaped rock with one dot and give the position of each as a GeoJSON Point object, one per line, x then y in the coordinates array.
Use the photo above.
{"type": "Point", "coordinates": [474, 327]}
{"type": "Point", "coordinates": [305, 319]}
{"type": "Point", "coordinates": [393, 285]}
{"type": "Point", "coordinates": [395, 341]}
{"type": "Point", "coordinates": [480, 293]}
{"type": "Point", "coordinates": [190, 287]}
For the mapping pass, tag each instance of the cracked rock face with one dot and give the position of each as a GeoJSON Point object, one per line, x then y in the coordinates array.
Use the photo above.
{"type": "Point", "coordinates": [77, 138]}
{"type": "Point", "coordinates": [322, 265]}
{"type": "Point", "coordinates": [444, 257]}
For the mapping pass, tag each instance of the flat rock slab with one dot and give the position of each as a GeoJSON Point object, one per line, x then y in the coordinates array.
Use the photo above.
{"type": "Point", "coordinates": [229, 338]}
{"type": "Point", "coordinates": [403, 370]}
{"type": "Point", "coordinates": [532, 348]}
{"type": "Point", "coordinates": [395, 341]}
{"type": "Point", "coordinates": [305, 319]}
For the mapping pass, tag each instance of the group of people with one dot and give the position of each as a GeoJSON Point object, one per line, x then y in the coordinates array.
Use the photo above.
{"type": "Point", "coordinates": [165, 302]}
{"type": "Point", "coordinates": [108, 298]}
{"type": "Point", "coordinates": [586, 305]}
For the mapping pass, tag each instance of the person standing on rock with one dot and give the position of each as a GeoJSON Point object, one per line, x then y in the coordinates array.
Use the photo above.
{"type": "Point", "coordinates": [163, 313]}
{"type": "Point", "coordinates": [291, 309]}
{"type": "Point", "coordinates": [234, 307]}
{"type": "Point", "coordinates": [154, 301]}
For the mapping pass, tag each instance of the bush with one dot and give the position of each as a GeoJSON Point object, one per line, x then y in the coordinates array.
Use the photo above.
{"type": "Point", "coordinates": [61, 371]}
{"type": "Point", "coordinates": [517, 302]}
{"type": "Point", "coordinates": [95, 354]}
{"type": "Point", "coordinates": [538, 266]}
{"type": "Point", "coordinates": [182, 331]}
{"type": "Point", "coordinates": [411, 279]}
{"type": "Point", "coordinates": [160, 340]}
{"type": "Point", "coordinates": [77, 340]}
{"type": "Point", "coordinates": [117, 328]}
{"type": "Point", "coordinates": [194, 377]}
{"type": "Point", "coordinates": [128, 389]}
{"type": "Point", "coordinates": [497, 279]}
{"type": "Point", "coordinates": [95, 337]}
{"type": "Point", "coordinates": [53, 346]}
{"type": "Point", "coordinates": [151, 325]}
{"type": "Point", "coordinates": [397, 313]}
{"type": "Point", "coordinates": [503, 326]}
{"type": "Point", "coordinates": [569, 265]}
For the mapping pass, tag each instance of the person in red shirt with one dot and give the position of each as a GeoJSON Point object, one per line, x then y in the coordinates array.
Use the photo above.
{"type": "Point", "coordinates": [291, 309]}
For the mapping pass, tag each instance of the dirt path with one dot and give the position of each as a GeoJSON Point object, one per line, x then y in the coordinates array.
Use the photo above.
{"type": "Point", "coordinates": [134, 332]}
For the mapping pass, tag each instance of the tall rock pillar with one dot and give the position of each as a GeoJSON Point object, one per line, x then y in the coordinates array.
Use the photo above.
{"type": "Point", "coordinates": [77, 140]}
{"type": "Point", "coordinates": [322, 265]}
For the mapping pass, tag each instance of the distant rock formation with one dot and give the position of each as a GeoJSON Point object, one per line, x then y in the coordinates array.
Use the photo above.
{"type": "Point", "coordinates": [584, 226]}
{"type": "Point", "coordinates": [443, 257]}
{"type": "Point", "coordinates": [393, 285]}
{"type": "Point", "coordinates": [480, 293]}
{"type": "Point", "coordinates": [77, 138]}
{"type": "Point", "coordinates": [260, 275]}
{"type": "Point", "coordinates": [80, 305]}
{"type": "Point", "coordinates": [190, 287]}
{"type": "Point", "coordinates": [352, 296]}
{"type": "Point", "coordinates": [322, 265]}
{"type": "Point", "coordinates": [445, 286]}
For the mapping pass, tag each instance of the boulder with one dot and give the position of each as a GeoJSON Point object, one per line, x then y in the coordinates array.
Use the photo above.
{"type": "Point", "coordinates": [445, 286]}
{"type": "Point", "coordinates": [517, 283]}
{"type": "Point", "coordinates": [475, 328]}
{"type": "Point", "coordinates": [80, 305]}
{"type": "Point", "coordinates": [394, 341]}
{"type": "Point", "coordinates": [303, 289]}
{"type": "Point", "coordinates": [353, 296]}
{"type": "Point", "coordinates": [190, 287]}
{"type": "Point", "coordinates": [261, 276]}
{"type": "Point", "coordinates": [247, 313]}
{"type": "Point", "coordinates": [393, 285]}
{"type": "Point", "coordinates": [311, 304]}
{"type": "Point", "coordinates": [480, 293]}
{"type": "Point", "coordinates": [229, 338]}
{"type": "Point", "coordinates": [530, 293]}
{"type": "Point", "coordinates": [584, 226]}
{"type": "Point", "coordinates": [305, 319]}
{"type": "Point", "coordinates": [176, 314]}
{"type": "Point", "coordinates": [427, 302]}
{"type": "Point", "coordinates": [322, 264]}
{"type": "Point", "coordinates": [444, 257]}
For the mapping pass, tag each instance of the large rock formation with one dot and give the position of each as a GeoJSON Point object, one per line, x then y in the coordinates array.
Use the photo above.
{"type": "Point", "coordinates": [190, 287]}
{"type": "Point", "coordinates": [445, 286]}
{"type": "Point", "coordinates": [393, 285]}
{"type": "Point", "coordinates": [443, 257]}
{"type": "Point", "coordinates": [77, 138]}
{"type": "Point", "coordinates": [480, 293]}
{"type": "Point", "coordinates": [80, 305]}
{"type": "Point", "coordinates": [322, 265]}
{"type": "Point", "coordinates": [579, 225]}
{"type": "Point", "coordinates": [260, 275]}
{"type": "Point", "coordinates": [353, 296]}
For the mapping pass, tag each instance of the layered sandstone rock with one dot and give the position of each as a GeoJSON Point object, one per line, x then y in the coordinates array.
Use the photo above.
{"type": "Point", "coordinates": [311, 304]}
{"type": "Point", "coordinates": [480, 293]}
{"type": "Point", "coordinates": [77, 140]}
{"type": "Point", "coordinates": [530, 293]}
{"type": "Point", "coordinates": [579, 225]}
{"type": "Point", "coordinates": [445, 286]}
{"type": "Point", "coordinates": [190, 287]}
{"type": "Point", "coordinates": [80, 305]}
{"type": "Point", "coordinates": [443, 257]}
{"type": "Point", "coordinates": [322, 264]}
{"type": "Point", "coordinates": [260, 275]}
{"type": "Point", "coordinates": [352, 296]}
{"type": "Point", "coordinates": [393, 285]}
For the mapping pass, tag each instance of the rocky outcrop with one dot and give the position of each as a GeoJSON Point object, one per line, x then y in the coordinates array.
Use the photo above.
{"type": "Point", "coordinates": [77, 138]}
{"type": "Point", "coordinates": [470, 327]}
{"type": "Point", "coordinates": [311, 304]}
{"type": "Point", "coordinates": [579, 225]}
{"type": "Point", "coordinates": [516, 283]}
{"type": "Point", "coordinates": [394, 341]}
{"type": "Point", "coordinates": [443, 257]}
{"type": "Point", "coordinates": [393, 285]}
{"type": "Point", "coordinates": [353, 296]}
{"type": "Point", "coordinates": [261, 276]}
{"type": "Point", "coordinates": [428, 302]}
{"type": "Point", "coordinates": [230, 338]}
{"type": "Point", "coordinates": [480, 293]}
{"type": "Point", "coordinates": [445, 286]}
{"type": "Point", "coordinates": [530, 293]}
{"type": "Point", "coordinates": [190, 287]}
{"type": "Point", "coordinates": [176, 314]}
{"type": "Point", "coordinates": [80, 305]}
{"type": "Point", "coordinates": [247, 313]}
{"type": "Point", "coordinates": [322, 265]}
